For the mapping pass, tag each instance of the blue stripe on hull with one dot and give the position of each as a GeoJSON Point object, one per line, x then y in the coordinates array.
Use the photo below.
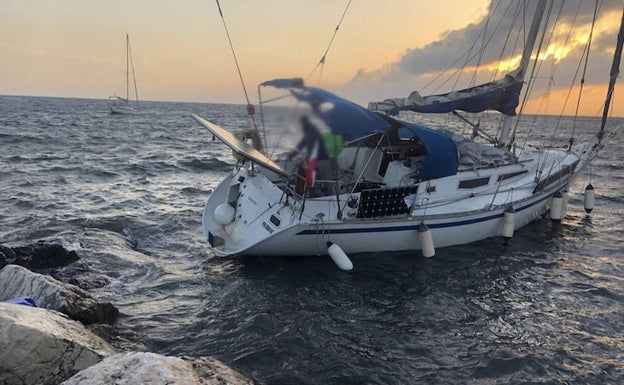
{"type": "Point", "coordinates": [415, 227]}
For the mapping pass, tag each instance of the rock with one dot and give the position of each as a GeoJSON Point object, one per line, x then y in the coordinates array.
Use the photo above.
{"type": "Point", "coordinates": [7, 255]}
{"type": "Point", "coordinates": [17, 281]}
{"type": "Point", "coordinates": [38, 256]}
{"type": "Point", "coordinates": [123, 341]}
{"type": "Point", "coordinates": [44, 347]}
{"type": "Point", "coordinates": [104, 257]}
{"type": "Point", "coordinates": [218, 373]}
{"type": "Point", "coordinates": [150, 368]}
{"type": "Point", "coordinates": [90, 281]}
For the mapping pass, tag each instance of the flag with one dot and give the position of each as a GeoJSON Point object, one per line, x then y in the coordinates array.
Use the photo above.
{"type": "Point", "coordinates": [311, 167]}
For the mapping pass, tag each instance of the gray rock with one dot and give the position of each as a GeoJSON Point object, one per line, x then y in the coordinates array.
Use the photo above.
{"type": "Point", "coordinates": [44, 347]}
{"type": "Point", "coordinates": [16, 281]}
{"type": "Point", "coordinates": [149, 368]}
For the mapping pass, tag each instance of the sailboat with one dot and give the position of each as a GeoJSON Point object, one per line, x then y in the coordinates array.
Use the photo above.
{"type": "Point", "coordinates": [388, 184]}
{"type": "Point", "coordinates": [123, 105]}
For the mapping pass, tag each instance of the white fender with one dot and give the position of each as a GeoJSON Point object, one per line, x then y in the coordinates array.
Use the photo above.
{"type": "Point", "coordinates": [224, 214]}
{"type": "Point", "coordinates": [509, 222]}
{"type": "Point", "coordinates": [426, 240]}
{"type": "Point", "coordinates": [339, 256]}
{"type": "Point", "coordinates": [556, 207]}
{"type": "Point", "coordinates": [589, 198]}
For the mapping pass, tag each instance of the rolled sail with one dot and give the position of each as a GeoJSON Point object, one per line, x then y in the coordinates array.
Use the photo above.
{"type": "Point", "coordinates": [501, 95]}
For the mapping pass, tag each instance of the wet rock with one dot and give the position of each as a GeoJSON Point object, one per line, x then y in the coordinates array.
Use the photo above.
{"type": "Point", "coordinates": [17, 281]}
{"type": "Point", "coordinates": [38, 256]}
{"type": "Point", "coordinates": [123, 341]}
{"type": "Point", "coordinates": [90, 281]}
{"type": "Point", "coordinates": [44, 347]}
{"type": "Point", "coordinates": [104, 257]}
{"type": "Point", "coordinates": [149, 368]}
{"type": "Point", "coordinates": [7, 255]}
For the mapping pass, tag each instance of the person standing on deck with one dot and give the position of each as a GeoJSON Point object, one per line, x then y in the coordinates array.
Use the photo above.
{"type": "Point", "coordinates": [313, 144]}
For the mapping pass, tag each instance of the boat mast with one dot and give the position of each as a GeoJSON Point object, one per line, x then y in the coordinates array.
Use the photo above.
{"type": "Point", "coordinates": [127, 69]}
{"type": "Point", "coordinates": [136, 91]}
{"type": "Point", "coordinates": [615, 71]}
{"type": "Point", "coordinates": [519, 73]}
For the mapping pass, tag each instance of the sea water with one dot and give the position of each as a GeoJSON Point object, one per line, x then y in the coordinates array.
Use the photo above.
{"type": "Point", "coordinates": [127, 192]}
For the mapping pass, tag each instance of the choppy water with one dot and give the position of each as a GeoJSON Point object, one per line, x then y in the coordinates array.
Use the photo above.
{"type": "Point", "coordinates": [127, 193]}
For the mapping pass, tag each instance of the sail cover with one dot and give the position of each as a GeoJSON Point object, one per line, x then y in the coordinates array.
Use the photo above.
{"type": "Point", "coordinates": [501, 95]}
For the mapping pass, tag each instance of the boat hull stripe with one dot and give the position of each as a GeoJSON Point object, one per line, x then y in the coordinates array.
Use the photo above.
{"type": "Point", "coordinates": [415, 226]}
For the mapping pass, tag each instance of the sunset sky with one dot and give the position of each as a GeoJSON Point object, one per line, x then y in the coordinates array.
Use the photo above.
{"type": "Point", "coordinates": [76, 48]}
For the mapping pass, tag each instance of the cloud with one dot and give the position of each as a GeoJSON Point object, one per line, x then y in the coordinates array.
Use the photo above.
{"type": "Point", "coordinates": [15, 50]}
{"type": "Point", "coordinates": [474, 54]}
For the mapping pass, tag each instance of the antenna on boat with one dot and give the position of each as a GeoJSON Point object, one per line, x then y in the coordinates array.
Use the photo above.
{"type": "Point", "coordinates": [250, 108]}
{"type": "Point", "coordinates": [321, 62]}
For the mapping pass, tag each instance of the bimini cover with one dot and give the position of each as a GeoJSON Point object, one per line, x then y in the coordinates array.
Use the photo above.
{"type": "Point", "coordinates": [354, 122]}
{"type": "Point", "coordinates": [441, 159]}
{"type": "Point", "coordinates": [342, 116]}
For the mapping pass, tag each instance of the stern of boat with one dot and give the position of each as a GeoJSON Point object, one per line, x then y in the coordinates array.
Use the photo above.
{"type": "Point", "coordinates": [244, 210]}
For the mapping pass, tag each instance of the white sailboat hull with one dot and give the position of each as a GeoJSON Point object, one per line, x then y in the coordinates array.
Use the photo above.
{"type": "Point", "coordinates": [266, 224]}
{"type": "Point", "coordinates": [124, 110]}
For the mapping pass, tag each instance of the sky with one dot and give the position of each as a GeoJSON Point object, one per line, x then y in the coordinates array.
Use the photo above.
{"type": "Point", "coordinates": [383, 49]}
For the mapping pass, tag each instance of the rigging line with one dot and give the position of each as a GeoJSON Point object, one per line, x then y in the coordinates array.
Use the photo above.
{"type": "Point", "coordinates": [457, 71]}
{"type": "Point", "coordinates": [543, 106]}
{"type": "Point", "coordinates": [240, 75]}
{"type": "Point", "coordinates": [331, 41]}
{"type": "Point", "coordinates": [481, 36]}
{"type": "Point", "coordinates": [578, 102]}
{"type": "Point", "coordinates": [227, 32]}
{"type": "Point", "coordinates": [531, 84]}
{"type": "Point", "coordinates": [481, 50]}
{"type": "Point", "coordinates": [565, 44]}
{"type": "Point", "coordinates": [483, 43]}
{"type": "Point", "coordinates": [519, 23]}
{"type": "Point", "coordinates": [503, 49]}
{"type": "Point", "coordinates": [469, 57]}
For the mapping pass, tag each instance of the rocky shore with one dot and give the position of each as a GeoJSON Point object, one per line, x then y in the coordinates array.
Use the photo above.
{"type": "Point", "coordinates": [69, 337]}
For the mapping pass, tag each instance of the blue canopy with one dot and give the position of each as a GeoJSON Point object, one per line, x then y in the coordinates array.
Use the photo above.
{"type": "Point", "coordinates": [441, 159]}
{"type": "Point", "coordinates": [354, 122]}
{"type": "Point", "coordinates": [342, 116]}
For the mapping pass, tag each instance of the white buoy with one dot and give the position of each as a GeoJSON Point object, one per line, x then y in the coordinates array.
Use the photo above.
{"type": "Point", "coordinates": [589, 198]}
{"type": "Point", "coordinates": [339, 256]}
{"type": "Point", "coordinates": [426, 240]}
{"type": "Point", "coordinates": [556, 207]}
{"type": "Point", "coordinates": [224, 214]}
{"type": "Point", "coordinates": [509, 222]}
